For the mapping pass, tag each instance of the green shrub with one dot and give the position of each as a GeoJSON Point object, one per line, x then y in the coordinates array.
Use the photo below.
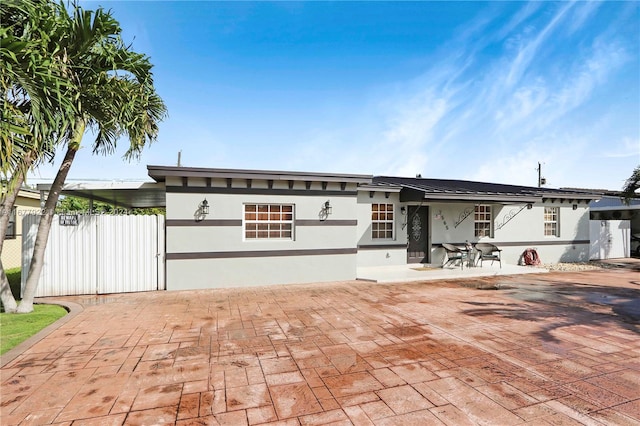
{"type": "Point", "coordinates": [14, 275]}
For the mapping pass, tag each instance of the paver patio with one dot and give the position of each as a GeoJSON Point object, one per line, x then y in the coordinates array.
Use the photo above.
{"type": "Point", "coordinates": [557, 348]}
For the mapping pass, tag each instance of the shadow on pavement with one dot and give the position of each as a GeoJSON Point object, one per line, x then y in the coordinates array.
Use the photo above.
{"type": "Point", "coordinates": [560, 304]}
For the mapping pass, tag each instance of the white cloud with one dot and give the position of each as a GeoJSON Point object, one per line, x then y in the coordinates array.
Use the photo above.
{"type": "Point", "coordinates": [527, 53]}
{"type": "Point", "coordinates": [582, 14]}
{"type": "Point", "coordinates": [627, 147]}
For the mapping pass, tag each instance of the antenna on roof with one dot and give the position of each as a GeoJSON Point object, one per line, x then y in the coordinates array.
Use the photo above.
{"type": "Point", "coordinates": [541, 180]}
{"type": "Point", "coordinates": [180, 155]}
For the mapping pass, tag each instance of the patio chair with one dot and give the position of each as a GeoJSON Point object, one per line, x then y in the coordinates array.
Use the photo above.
{"type": "Point", "coordinates": [453, 253]}
{"type": "Point", "coordinates": [488, 252]}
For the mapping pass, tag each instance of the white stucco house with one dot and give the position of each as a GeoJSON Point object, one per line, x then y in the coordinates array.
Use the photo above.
{"type": "Point", "coordinates": [234, 228]}
{"type": "Point", "coordinates": [231, 228]}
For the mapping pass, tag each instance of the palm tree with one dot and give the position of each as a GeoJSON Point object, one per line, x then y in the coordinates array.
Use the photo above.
{"type": "Point", "coordinates": [35, 104]}
{"type": "Point", "coordinates": [36, 108]}
{"type": "Point", "coordinates": [31, 79]}
{"type": "Point", "coordinates": [114, 96]}
{"type": "Point", "coordinates": [631, 185]}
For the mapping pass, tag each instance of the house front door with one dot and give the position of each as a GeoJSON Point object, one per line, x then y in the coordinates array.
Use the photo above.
{"type": "Point", "coordinates": [418, 234]}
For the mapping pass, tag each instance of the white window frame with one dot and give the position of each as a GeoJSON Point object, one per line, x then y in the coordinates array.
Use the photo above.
{"type": "Point", "coordinates": [480, 217]}
{"type": "Point", "coordinates": [384, 219]}
{"type": "Point", "coordinates": [551, 217]}
{"type": "Point", "coordinates": [272, 227]}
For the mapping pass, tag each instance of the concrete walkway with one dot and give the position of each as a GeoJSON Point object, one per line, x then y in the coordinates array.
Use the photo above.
{"type": "Point", "coordinates": [555, 348]}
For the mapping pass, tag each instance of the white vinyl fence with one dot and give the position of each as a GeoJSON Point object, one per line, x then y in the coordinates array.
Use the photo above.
{"type": "Point", "coordinates": [97, 254]}
{"type": "Point", "coordinates": [610, 239]}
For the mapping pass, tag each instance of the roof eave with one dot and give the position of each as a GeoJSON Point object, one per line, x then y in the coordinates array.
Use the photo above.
{"type": "Point", "coordinates": [160, 173]}
{"type": "Point", "coordinates": [481, 198]}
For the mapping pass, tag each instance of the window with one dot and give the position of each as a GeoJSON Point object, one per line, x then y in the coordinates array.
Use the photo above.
{"type": "Point", "coordinates": [551, 215]}
{"type": "Point", "coordinates": [483, 225]}
{"type": "Point", "coordinates": [382, 221]}
{"type": "Point", "coordinates": [11, 229]}
{"type": "Point", "coordinates": [268, 221]}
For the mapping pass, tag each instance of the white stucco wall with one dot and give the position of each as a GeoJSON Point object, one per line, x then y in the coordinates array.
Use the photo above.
{"type": "Point", "coordinates": [249, 272]}
{"type": "Point", "coordinates": [516, 229]}
{"type": "Point", "coordinates": [380, 252]}
{"type": "Point", "coordinates": [214, 253]}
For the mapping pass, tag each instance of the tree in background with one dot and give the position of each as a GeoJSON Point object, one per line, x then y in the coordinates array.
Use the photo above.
{"type": "Point", "coordinates": [631, 186]}
{"type": "Point", "coordinates": [72, 204]}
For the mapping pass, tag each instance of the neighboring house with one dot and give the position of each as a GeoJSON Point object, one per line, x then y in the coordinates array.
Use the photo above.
{"type": "Point", "coordinates": [229, 228]}
{"type": "Point", "coordinates": [27, 201]}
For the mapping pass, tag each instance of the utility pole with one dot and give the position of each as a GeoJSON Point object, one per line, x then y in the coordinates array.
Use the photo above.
{"type": "Point", "coordinates": [180, 155]}
{"type": "Point", "coordinates": [541, 180]}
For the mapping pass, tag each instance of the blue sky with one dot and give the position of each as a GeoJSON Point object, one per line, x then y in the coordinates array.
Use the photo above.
{"type": "Point", "coordinates": [455, 90]}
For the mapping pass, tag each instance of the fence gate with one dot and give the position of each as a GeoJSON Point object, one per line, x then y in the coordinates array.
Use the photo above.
{"type": "Point", "coordinates": [610, 239]}
{"type": "Point", "coordinates": [97, 254]}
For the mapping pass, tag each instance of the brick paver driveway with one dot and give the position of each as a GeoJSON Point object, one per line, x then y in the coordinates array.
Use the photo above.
{"type": "Point", "coordinates": [560, 348]}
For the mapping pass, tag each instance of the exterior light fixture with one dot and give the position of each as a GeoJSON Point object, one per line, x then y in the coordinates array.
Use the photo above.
{"type": "Point", "coordinates": [575, 207]}
{"type": "Point", "coordinates": [204, 207]}
{"type": "Point", "coordinates": [403, 210]}
{"type": "Point", "coordinates": [327, 207]}
{"type": "Point", "coordinates": [325, 211]}
{"type": "Point", "coordinates": [529, 206]}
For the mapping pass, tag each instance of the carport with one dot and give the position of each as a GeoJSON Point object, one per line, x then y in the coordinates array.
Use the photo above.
{"type": "Point", "coordinates": [94, 253]}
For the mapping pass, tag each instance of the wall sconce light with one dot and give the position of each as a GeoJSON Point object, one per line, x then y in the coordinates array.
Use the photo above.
{"type": "Point", "coordinates": [204, 207]}
{"type": "Point", "coordinates": [575, 207]}
{"type": "Point", "coordinates": [403, 210]}
{"type": "Point", "coordinates": [327, 207]}
{"type": "Point", "coordinates": [529, 206]}
{"type": "Point", "coordinates": [325, 211]}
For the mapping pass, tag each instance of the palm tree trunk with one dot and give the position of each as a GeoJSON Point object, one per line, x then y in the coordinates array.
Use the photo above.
{"type": "Point", "coordinates": [10, 199]}
{"type": "Point", "coordinates": [8, 301]}
{"type": "Point", "coordinates": [6, 296]}
{"type": "Point", "coordinates": [42, 237]}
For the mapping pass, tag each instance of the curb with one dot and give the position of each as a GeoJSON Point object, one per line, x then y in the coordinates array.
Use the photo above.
{"type": "Point", "coordinates": [72, 308]}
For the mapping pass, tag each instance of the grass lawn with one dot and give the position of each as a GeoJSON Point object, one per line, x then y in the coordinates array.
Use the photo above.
{"type": "Point", "coordinates": [16, 328]}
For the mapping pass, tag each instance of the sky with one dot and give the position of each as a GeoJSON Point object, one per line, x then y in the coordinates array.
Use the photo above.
{"type": "Point", "coordinates": [451, 90]}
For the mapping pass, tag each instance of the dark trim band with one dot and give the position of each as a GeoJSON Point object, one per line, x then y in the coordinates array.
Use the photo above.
{"type": "Point", "coordinates": [238, 222]}
{"type": "Point", "coordinates": [307, 222]}
{"type": "Point", "coordinates": [206, 222]}
{"type": "Point", "coordinates": [381, 246]}
{"type": "Point", "coordinates": [544, 243]}
{"type": "Point", "coordinates": [259, 253]}
{"type": "Point", "coordinates": [258, 191]}
{"type": "Point", "coordinates": [527, 243]}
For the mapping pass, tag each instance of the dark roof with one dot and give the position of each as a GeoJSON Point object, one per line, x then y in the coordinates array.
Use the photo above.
{"type": "Point", "coordinates": [160, 173]}
{"type": "Point", "coordinates": [463, 190]}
